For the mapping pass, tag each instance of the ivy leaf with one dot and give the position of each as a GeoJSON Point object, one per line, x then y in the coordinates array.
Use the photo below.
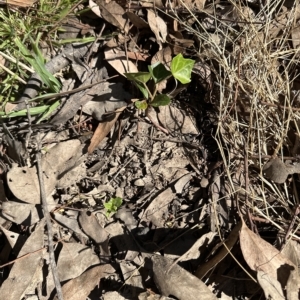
{"type": "Point", "coordinates": [181, 68]}
{"type": "Point", "coordinates": [142, 89]}
{"type": "Point", "coordinates": [141, 105]}
{"type": "Point", "coordinates": [160, 100]}
{"type": "Point", "coordinates": [112, 205]}
{"type": "Point", "coordinates": [142, 77]}
{"type": "Point", "coordinates": [159, 72]}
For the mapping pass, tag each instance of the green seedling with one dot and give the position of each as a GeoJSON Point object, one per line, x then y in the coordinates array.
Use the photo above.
{"type": "Point", "coordinates": [181, 69]}
{"type": "Point", "coordinates": [112, 205]}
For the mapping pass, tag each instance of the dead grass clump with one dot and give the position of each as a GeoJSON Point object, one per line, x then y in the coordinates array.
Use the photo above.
{"type": "Point", "coordinates": [254, 62]}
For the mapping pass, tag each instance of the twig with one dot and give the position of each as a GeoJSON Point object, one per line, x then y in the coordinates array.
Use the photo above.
{"type": "Point", "coordinates": [28, 135]}
{"type": "Point", "coordinates": [94, 43]}
{"type": "Point", "coordinates": [48, 222]}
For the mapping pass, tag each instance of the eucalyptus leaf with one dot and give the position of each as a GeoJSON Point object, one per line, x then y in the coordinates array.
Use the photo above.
{"type": "Point", "coordinates": [160, 100]}
{"type": "Point", "coordinates": [159, 72]}
{"type": "Point", "coordinates": [181, 68]}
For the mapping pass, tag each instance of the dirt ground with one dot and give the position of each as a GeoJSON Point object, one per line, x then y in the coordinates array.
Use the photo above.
{"type": "Point", "coordinates": [192, 200]}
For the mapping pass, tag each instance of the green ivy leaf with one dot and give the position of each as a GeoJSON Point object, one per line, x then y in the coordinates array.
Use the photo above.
{"type": "Point", "coordinates": [112, 205]}
{"type": "Point", "coordinates": [160, 100]}
{"type": "Point", "coordinates": [142, 89]}
{"type": "Point", "coordinates": [181, 68]}
{"type": "Point", "coordinates": [141, 105]}
{"type": "Point", "coordinates": [159, 72]}
{"type": "Point", "coordinates": [142, 77]}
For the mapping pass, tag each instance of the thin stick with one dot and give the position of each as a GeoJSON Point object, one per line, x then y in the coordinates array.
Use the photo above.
{"type": "Point", "coordinates": [48, 223]}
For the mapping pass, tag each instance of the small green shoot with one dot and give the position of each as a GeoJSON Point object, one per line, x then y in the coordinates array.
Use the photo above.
{"type": "Point", "coordinates": [112, 205]}
{"type": "Point", "coordinates": [37, 61]}
{"type": "Point", "coordinates": [181, 70]}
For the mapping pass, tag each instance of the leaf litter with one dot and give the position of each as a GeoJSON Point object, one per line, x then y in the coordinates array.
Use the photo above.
{"type": "Point", "coordinates": [194, 176]}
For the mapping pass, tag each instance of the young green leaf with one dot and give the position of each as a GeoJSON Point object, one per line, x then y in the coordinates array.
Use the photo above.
{"type": "Point", "coordinates": [142, 89]}
{"type": "Point", "coordinates": [160, 100]}
{"type": "Point", "coordinates": [142, 77]}
{"type": "Point", "coordinates": [112, 205]}
{"type": "Point", "coordinates": [159, 72]}
{"type": "Point", "coordinates": [181, 68]}
{"type": "Point", "coordinates": [141, 104]}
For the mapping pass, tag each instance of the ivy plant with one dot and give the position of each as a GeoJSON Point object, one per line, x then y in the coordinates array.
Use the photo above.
{"type": "Point", "coordinates": [181, 69]}
{"type": "Point", "coordinates": [112, 205]}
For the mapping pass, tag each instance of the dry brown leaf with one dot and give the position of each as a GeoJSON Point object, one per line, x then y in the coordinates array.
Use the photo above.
{"type": "Point", "coordinates": [296, 37]}
{"type": "Point", "coordinates": [178, 282]}
{"type": "Point", "coordinates": [221, 254]}
{"type": "Point", "coordinates": [159, 207]}
{"type": "Point", "coordinates": [24, 184]}
{"type": "Point", "coordinates": [114, 14]}
{"type": "Point", "coordinates": [262, 256]}
{"type": "Point", "coordinates": [164, 56]}
{"type": "Point", "coordinates": [180, 184]}
{"type": "Point", "coordinates": [271, 287]}
{"type": "Point", "coordinates": [95, 8]}
{"type": "Point", "coordinates": [103, 129]}
{"type": "Point", "coordinates": [193, 252]}
{"type": "Point", "coordinates": [90, 225]}
{"type": "Point", "coordinates": [116, 296]}
{"type": "Point", "coordinates": [179, 43]}
{"type": "Point", "coordinates": [204, 71]}
{"type": "Point", "coordinates": [110, 101]}
{"type": "Point", "coordinates": [292, 251]}
{"type": "Point", "coordinates": [152, 3]}
{"type": "Point", "coordinates": [16, 241]}
{"type": "Point", "coordinates": [72, 224]}
{"type": "Point", "coordinates": [21, 213]}
{"type": "Point", "coordinates": [23, 181]}
{"type": "Point", "coordinates": [117, 59]}
{"type": "Point", "coordinates": [74, 259]}
{"type": "Point", "coordinates": [293, 286]}
{"type": "Point", "coordinates": [80, 287]}
{"type": "Point", "coordinates": [158, 27]}
{"type": "Point", "coordinates": [132, 277]}
{"type": "Point", "coordinates": [278, 171]}
{"type": "Point", "coordinates": [136, 20]}
{"type": "Point", "coordinates": [24, 269]}
{"type": "Point", "coordinates": [176, 120]}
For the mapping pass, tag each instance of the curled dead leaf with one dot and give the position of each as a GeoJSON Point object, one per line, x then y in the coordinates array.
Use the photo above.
{"type": "Point", "coordinates": [113, 13]}
{"type": "Point", "coordinates": [103, 129]}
